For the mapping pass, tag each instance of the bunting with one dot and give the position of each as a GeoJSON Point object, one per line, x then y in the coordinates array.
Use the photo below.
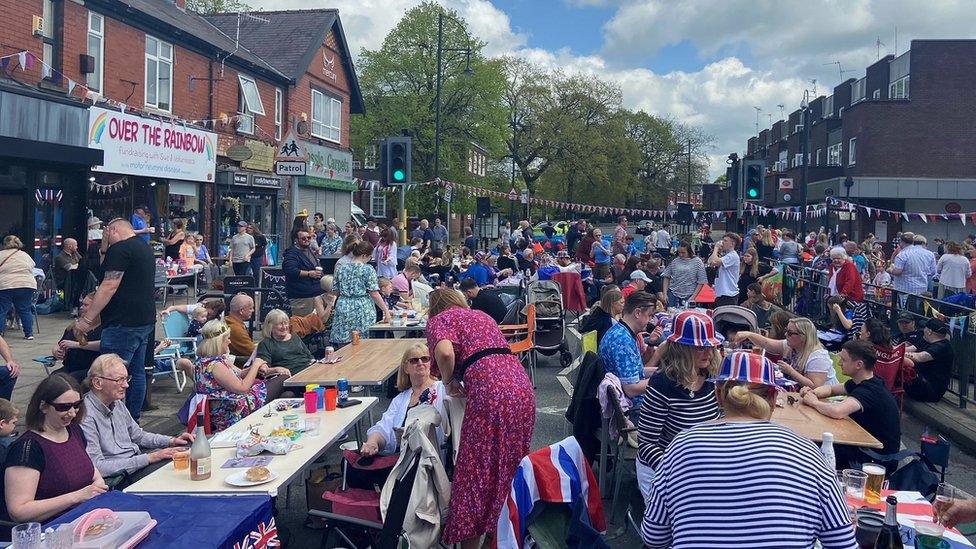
{"type": "Point", "coordinates": [962, 217]}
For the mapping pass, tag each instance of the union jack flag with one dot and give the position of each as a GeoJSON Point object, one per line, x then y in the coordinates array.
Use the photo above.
{"type": "Point", "coordinates": [265, 536]}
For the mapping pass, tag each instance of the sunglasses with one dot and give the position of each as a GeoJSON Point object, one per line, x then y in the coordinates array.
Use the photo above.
{"type": "Point", "coordinates": [65, 406]}
{"type": "Point", "coordinates": [126, 379]}
{"type": "Point", "coordinates": [418, 360]}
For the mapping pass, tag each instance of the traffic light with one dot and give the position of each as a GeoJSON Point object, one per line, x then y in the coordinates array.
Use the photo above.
{"type": "Point", "coordinates": [752, 184]}
{"type": "Point", "coordinates": [396, 164]}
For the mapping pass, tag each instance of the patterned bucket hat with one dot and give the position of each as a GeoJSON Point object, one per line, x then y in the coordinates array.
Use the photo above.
{"type": "Point", "coordinates": [748, 367]}
{"type": "Point", "coordinates": [695, 329]}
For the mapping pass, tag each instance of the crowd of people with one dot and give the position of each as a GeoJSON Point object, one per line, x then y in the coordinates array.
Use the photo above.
{"type": "Point", "coordinates": [685, 386]}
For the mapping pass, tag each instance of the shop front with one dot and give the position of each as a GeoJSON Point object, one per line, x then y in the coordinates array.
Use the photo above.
{"type": "Point", "coordinates": [44, 164]}
{"type": "Point", "coordinates": [252, 197]}
{"type": "Point", "coordinates": [152, 163]}
{"type": "Point", "coordinates": [328, 187]}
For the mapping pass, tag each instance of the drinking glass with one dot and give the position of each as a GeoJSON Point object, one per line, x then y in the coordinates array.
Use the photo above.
{"type": "Point", "coordinates": [874, 484]}
{"type": "Point", "coordinates": [854, 482]}
{"type": "Point", "coordinates": [181, 460]}
{"type": "Point", "coordinates": [944, 495]}
{"type": "Point", "coordinates": [26, 536]}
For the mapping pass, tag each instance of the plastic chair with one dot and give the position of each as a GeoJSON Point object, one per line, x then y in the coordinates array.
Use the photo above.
{"type": "Point", "coordinates": [175, 326]}
{"type": "Point", "coordinates": [161, 282]}
{"type": "Point", "coordinates": [589, 342]}
{"type": "Point", "coordinates": [525, 346]}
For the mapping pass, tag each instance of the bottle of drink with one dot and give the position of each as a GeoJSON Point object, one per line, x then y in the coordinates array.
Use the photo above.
{"type": "Point", "coordinates": [890, 536]}
{"type": "Point", "coordinates": [827, 449]}
{"type": "Point", "coordinates": [200, 453]}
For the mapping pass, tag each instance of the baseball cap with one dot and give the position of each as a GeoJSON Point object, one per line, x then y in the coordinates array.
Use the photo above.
{"type": "Point", "coordinates": [748, 368]}
{"type": "Point", "coordinates": [906, 317]}
{"type": "Point", "coordinates": [562, 253]}
{"type": "Point", "coordinates": [639, 275]}
{"type": "Point", "coordinates": [937, 326]}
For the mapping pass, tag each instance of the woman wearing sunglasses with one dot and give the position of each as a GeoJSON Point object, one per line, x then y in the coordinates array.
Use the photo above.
{"type": "Point", "coordinates": [805, 361]}
{"type": "Point", "coordinates": [416, 387]}
{"type": "Point", "coordinates": [48, 470]}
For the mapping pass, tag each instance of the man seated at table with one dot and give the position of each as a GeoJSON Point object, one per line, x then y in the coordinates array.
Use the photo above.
{"type": "Point", "coordinates": [933, 363]}
{"type": "Point", "coordinates": [479, 271]}
{"type": "Point", "coordinates": [908, 332]}
{"type": "Point", "coordinates": [620, 350]}
{"type": "Point", "coordinates": [868, 402]}
{"type": "Point", "coordinates": [488, 303]}
{"type": "Point", "coordinates": [403, 281]}
{"type": "Point", "coordinates": [115, 442]}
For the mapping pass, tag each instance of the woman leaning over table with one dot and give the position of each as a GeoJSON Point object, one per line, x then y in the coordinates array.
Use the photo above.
{"type": "Point", "coordinates": [734, 482]}
{"type": "Point", "coordinates": [472, 358]}
{"type": "Point", "coordinates": [359, 291]}
{"type": "Point", "coordinates": [48, 470]}
{"type": "Point", "coordinates": [234, 393]}
{"type": "Point", "coordinates": [679, 394]}
{"type": "Point", "coordinates": [805, 361]}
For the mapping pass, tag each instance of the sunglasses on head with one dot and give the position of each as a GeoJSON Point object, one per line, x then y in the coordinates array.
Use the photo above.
{"type": "Point", "coordinates": [65, 406]}
{"type": "Point", "coordinates": [418, 360]}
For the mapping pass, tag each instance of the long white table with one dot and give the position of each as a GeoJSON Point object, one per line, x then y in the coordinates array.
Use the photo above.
{"type": "Point", "coordinates": [288, 467]}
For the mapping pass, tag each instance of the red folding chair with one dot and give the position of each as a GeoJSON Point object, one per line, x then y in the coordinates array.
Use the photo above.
{"type": "Point", "coordinates": [890, 367]}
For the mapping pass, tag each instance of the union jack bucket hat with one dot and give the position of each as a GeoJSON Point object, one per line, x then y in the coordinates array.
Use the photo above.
{"type": "Point", "coordinates": [695, 329]}
{"type": "Point", "coordinates": [748, 367]}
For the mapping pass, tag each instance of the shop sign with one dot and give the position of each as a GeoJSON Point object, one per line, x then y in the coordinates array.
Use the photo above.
{"type": "Point", "coordinates": [133, 145]}
{"type": "Point", "coordinates": [262, 156]}
{"type": "Point", "coordinates": [240, 178]}
{"type": "Point", "coordinates": [265, 181]}
{"type": "Point", "coordinates": [326, 163]}
{"type": "Point", "coordinates": [286, 167]}
{"type": "Point", "coordinates": [239, 152]}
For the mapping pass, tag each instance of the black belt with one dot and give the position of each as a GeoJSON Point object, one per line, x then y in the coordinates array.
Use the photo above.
{"type": "Point", "coordinates": [468, 362]}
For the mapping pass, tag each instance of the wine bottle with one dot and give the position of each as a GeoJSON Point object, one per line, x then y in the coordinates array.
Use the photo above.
{"type": "Point", "coordinates": [200, 453]}
{"type": "Point", "coordinates": [890, 536]}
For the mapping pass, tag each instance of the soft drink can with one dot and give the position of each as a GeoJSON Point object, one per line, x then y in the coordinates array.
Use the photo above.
{"type": "Point", "coordinates": [343, 386]}
{"type": "Point", "coordinates": [355, 337]}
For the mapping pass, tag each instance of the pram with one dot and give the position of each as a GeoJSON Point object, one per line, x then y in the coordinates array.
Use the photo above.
{"type": "Point", "coordinates": [734, 318]}
{"type": "Point", "coordinates": [550, 319]}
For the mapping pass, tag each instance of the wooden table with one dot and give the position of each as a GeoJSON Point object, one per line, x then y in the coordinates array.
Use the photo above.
{"type": "Point", "coordinates": [290, 466]}
{"type": "Point", "coordinates": [371, 362]}
{"type": "Point", "coordinates": [411, 327]}
{"type": "Point", "coordinates": [811, 424]}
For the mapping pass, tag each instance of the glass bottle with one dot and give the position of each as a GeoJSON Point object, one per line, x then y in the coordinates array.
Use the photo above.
{"type": "Point", "coordinates": [200, 453]}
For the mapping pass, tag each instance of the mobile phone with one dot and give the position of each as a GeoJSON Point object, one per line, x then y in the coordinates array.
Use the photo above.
{"type": "Point", "coordinates": [348, 402]}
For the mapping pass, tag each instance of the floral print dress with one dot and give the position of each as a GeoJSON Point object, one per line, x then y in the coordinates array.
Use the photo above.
{"type": "Point", "coordinates": [226, 407]}
{"type": "Point", "coordinates": [354, 309]}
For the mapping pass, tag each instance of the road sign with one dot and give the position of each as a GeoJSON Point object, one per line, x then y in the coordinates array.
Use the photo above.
{"type": "Point", "coordinates": [525, 196]}
{"type": "Point", "coordinates": [786, 184]}
{"type": "Point", "coordinates": [512, 195]}
{"type": "Point", "coordinates": [291, 149]}
{"type": "Point", "coordinates": [829, 191]}
{"type": "Point", "coordinates": [787, 197]}
{"type": "Point", "coordinates": [288, 167]}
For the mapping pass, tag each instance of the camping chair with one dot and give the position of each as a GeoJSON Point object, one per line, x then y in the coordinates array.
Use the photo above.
{"type": "Point", "coordinates": [175, 326]}
{"type": "Point", "coordinates": [161, 282]}
{"type": "Point", "coordinates": [523, 347]}
{"type": "Point", "coordinates": [47, 362]}
{"type": "Point", "coordinates": [891, 369]}
{"type": "Point", "coordinates": [589, 343]}
{"type": "Point", "coordinates": [613, 448]}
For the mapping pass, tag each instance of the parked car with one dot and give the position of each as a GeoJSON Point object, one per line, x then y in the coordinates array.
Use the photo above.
{"type": "Point", "coordinates": [561, 227]}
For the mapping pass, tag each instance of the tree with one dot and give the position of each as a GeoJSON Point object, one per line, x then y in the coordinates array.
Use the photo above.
{"type": "Point", "coordinates": [216, 6]}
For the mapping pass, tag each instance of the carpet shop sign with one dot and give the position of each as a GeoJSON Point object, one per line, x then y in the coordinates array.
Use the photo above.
{"type": "Point", "coordinates": [151, 148]}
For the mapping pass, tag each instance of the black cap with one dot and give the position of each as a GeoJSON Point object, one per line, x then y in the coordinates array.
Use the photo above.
{"type": "Point", "coordinates": [937, 326]}
{"type": "Point", "coordinates": [906, 317]}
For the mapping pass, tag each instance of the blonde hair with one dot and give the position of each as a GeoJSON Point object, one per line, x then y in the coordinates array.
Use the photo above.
{"type": "Point", "coordinates": [271, 319]}
{"type": "Point", "coordinates": [745, 399]}
{"type": "Point", "coordinates": [767, 237]}
{"type": "Point", "coordinates": [326, 283]}
{"type": "Point", "coordinates": [11, 242]}
{"type": "Point", "coordinates": [679, 363]}
{"type": "Point", "coordinates": [100, 364]}
{"type": "Point", "coordinates": [215, 334]}
{"type": "Point", "coordinates": [811, 342]}
{"type": "Point", "coordinates": [383, 282]}
{"type": "Point", "coordinates": [403, 378]}
{"type": "Point", "coordinates": [443, 299]}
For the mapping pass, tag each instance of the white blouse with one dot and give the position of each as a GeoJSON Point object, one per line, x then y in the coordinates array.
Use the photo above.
{"type": "Point", "coordinates": [396, 414]}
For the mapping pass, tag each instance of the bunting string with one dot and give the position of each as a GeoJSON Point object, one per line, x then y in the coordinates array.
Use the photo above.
{"type": "Point", "coordinates": [924, 217]}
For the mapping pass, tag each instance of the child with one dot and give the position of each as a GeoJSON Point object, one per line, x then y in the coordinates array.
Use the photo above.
{"type": "Point", "coordinates": [8, 422]}
{"type": "Point", "coordinates": [391, 298]}
{"type": "Point", "coordinates": [197, 319]}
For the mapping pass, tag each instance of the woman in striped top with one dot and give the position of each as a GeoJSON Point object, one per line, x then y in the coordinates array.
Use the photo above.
{"type": "Point", "coordinates": [743, 481]}
{"type": "Point", "coordinates": [678, 395]}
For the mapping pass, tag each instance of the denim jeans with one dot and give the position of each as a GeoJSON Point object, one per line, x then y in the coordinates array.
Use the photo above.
{"type": "Point", "coordinates": [242, 268]}
{"type": "Point", "coordinates": [256, 263]}
{"type": "Point", "coordinates": [131, 343]}
{"type": "Point", "coordinates": [6, 382]}
{"type": "Point", "coordinates": [20, 299]}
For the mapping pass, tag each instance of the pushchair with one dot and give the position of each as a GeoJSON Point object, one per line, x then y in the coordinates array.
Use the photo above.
{"type": "Point", "coordinates": [362, 518]}
{"type": "Point", "coordinates": [734, 318]}
{"type": "Point", "coordinates": [550, 320]}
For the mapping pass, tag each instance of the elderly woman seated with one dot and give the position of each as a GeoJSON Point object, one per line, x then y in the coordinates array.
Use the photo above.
{"type": "Point", "coordinates": [284, 351]}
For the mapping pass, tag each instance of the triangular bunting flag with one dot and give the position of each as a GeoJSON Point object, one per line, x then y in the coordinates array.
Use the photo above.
{"type": "Point", "coordinates": [22, 59]}
{"type": "Point", "coordinates": [71, 86]}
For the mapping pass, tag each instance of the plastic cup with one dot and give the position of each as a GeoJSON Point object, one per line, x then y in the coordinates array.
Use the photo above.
{"type": "Point", "coordinates": [854, 482]}
{"type": "Point", "coordinates": [26, 535]}
{"type": "Point", "coordinates": [320, 399]}
{"type": "Point", "coordinates": [311, 402]}
{"type": "Point", "coordinates": [331, 398]}
{"type": "Point", "coordinates": [928, 534]}
{"type": "Point", "coordinates": [311, 387]}
{"type": "Point", "coordinates": [181, 460]}
{"type": "Point", "coordinates": [312, 426]}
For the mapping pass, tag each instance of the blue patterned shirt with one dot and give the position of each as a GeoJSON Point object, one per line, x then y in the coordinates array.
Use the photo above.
{"type": "Point", "coordinates": [918, 266]}
{"type": "Point", "coordinates": [621, 357]}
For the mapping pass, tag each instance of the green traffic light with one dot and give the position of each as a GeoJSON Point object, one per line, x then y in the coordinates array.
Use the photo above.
{"type": "Point", "coordinates": [399, 175]}
{"type": "Point", "coordinates": [753, 193]}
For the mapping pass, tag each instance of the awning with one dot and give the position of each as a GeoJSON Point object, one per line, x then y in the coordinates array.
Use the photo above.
{"type": "Point", "coordinates": [331, 184]}
{"type": "Point", "coordinates": [49, 152]}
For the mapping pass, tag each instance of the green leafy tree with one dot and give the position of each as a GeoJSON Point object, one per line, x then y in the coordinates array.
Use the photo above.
{"type": "Point", "coordinates": [216, 6]}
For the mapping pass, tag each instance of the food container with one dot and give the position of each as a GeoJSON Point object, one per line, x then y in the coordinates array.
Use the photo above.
{"type": "Point", "coordinates": [290, 421]}
{"type": "Point", "coordinates": [105, 529]}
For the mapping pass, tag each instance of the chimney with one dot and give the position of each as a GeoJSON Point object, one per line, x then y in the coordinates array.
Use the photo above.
{"type": "Point", "coordinates": [180, 4]}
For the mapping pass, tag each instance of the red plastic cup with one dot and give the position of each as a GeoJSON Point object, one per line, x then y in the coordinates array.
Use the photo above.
{"type": "Point", "coordinates": [311, 402]}
{"type": "Point", "coordinates": [331, 398]}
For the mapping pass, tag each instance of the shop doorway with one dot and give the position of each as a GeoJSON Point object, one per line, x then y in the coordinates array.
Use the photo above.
{"type": "Point", "coordinates": [12, 214]}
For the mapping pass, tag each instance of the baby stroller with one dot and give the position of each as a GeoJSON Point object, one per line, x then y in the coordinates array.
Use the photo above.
{"type": "Point", "coordinates": [734, 318]}
{"type": "Point", "coordinates": [550, 319]}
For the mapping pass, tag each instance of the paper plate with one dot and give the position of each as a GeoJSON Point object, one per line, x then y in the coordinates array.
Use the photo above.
{"type": "Point", "coordinates": [238, 479]}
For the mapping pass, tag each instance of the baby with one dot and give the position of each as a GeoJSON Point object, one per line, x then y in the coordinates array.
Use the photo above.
{"type": "Point", "coordinates": [197, 320]}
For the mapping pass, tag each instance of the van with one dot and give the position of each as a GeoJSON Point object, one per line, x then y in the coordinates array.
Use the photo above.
{"type": "Point", "coordinates": [358, 215]}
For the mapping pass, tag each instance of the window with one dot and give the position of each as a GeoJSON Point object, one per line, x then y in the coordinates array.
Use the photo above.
{"type": "Point", "coordinates": [251, 95]}
{"type": "Point", "coordinates": [851, 151]}
{"type": "Point", "coordinates": [858, 90]}
{"type": "Point", "coordinates": [326, 116]}
{"type": "Point", "coordinates": [278, 114]}
{"type": "Point", "coordinates": [159, 74]}
{"type": "Point", "coordinates": [833, 155]}
{"type": "Point", "coordinates": [369, 160]}
{"type": "Point", "coordinates": [877, 94]}
{"type": "Point", "coordinates": [786, 131]}
{"type": "Point", "coordinates": [817, 163]}
{"type": "Point", "coordinates": [798, 128]}
{"type": "Point", "coordinates": [797, 159]}
{"type": "Point", "coordinates": [899, 88]}
{"type": "Point", "coordinates": [377, 203]}
{"type": "Point", "coordinates": [53, 14]}
{"type": "Point", "coordinates": [245, 120]}
{"type": "Point", "coordinates": [96, 49]}
{"type": "Point", "coordinates": [828, 107]}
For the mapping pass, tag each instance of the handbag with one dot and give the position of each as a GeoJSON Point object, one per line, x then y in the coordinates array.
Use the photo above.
{"type": "Point", "coordinates": [916, 475]}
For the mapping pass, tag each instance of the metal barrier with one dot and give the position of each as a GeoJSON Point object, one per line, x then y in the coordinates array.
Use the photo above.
{"type": "Point", "coordinates": [805, 292]}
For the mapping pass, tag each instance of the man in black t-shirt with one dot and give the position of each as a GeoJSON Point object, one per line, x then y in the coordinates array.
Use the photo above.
{"type": "Point", "coordinates": [488, 303]}
{"type": "Point", "coordinates": [933, 363]}
{"type": "Point", "coordinates": [907, 332]}
{"type": "Point", "coordinates": [125, 302]}
{"type": "Point", "coordinates": [869, 403]}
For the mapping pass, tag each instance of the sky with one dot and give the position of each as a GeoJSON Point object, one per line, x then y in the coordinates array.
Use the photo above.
{"type": "Point", "coordinates": [702, 62]}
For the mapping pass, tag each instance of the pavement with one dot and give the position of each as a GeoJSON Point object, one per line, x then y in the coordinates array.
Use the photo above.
{"type": "Point", "coordinates": [552, 397]}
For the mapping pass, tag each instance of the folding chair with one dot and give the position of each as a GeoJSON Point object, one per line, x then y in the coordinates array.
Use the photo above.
{"type": "Point", "coordinates": [589, 343]}
{"type": "Point", "coordinates": [614, 449]}
{"type": "Point", "coordinates": [890, 367]}
{"type": "Point", "coordinates": [524, 347]}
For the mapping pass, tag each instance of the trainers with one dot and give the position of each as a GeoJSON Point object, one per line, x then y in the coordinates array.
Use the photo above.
{"type": "Point", "coordinates": [29, 338]}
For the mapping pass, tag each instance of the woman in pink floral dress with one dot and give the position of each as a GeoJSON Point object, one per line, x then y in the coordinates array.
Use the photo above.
{"type": "Point", "coordinates": [472, 358]}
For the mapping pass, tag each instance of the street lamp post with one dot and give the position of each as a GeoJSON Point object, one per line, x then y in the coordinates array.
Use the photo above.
{"type": "Point", "coordinates": [805, 158]}
{"type": "Point", "coordinates": [437, 101]}
{"type": "Point", "coordinates": [848, 183]}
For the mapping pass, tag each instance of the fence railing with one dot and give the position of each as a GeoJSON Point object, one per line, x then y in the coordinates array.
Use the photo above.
{"type": "Point", "coordinates": [805, 293]}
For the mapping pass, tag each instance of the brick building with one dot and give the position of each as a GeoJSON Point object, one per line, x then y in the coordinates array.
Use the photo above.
{"type": "Point", "coordinates": [900, 138]}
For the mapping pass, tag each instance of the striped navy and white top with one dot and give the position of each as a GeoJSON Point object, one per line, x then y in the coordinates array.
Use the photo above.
{"type": "Point", "coordinates": [753, 485]}
{"type": "Point", "coordinates": [668, 409]}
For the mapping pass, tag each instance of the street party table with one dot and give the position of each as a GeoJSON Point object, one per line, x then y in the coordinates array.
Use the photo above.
{"type": "Point", "coordinates": [185, 521]}
{"type": "Point", "coordinates": [912, 506]}
{"type": "Point", "coordinates": [413, 327]}
{"type": "Point", "coordinates": [371, 362]}
{"type": "Point", "coordinates": [809, 423]}
{"type": "Point", "coordinates": [288, 467]}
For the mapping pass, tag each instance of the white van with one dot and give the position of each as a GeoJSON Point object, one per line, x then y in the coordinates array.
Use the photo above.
{"type": "Point", "coordinates": [358, 215]}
